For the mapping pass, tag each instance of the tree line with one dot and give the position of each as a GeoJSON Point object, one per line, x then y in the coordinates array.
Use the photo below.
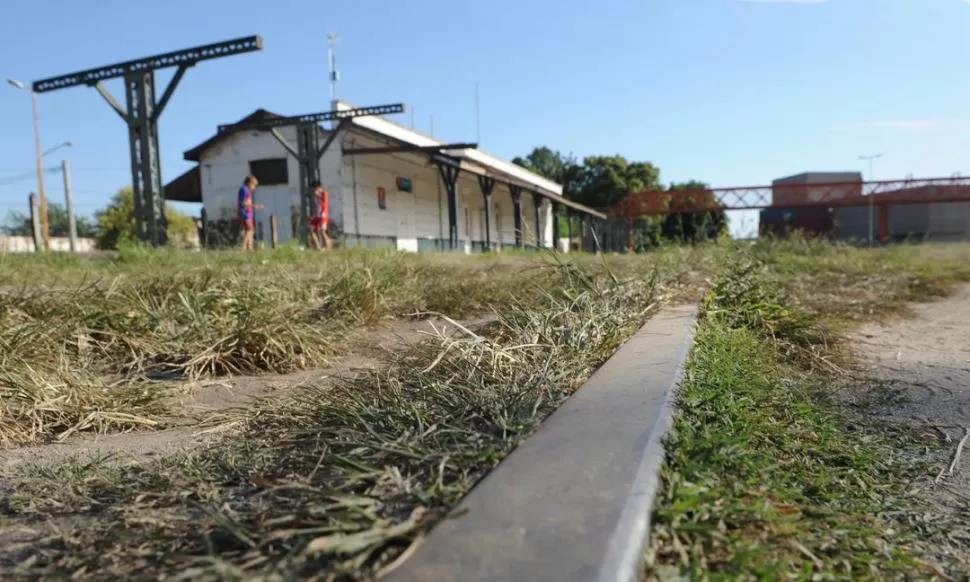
{"type": "Point", "coordinates": [111, 226]}
{"type": "Point", "coordinates": [601, 182]}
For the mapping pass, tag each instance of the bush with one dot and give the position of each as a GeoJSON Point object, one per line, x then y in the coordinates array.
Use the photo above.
{"type": "Point", "coordinates": [117, 223]}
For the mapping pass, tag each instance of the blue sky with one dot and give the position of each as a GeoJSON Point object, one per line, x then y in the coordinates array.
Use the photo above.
{"type": "Point", "coordinates": [731, 92]}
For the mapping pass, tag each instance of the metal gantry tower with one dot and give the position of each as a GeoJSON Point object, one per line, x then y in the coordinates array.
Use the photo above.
{"type": "Point", "coordinates": [141, 114]}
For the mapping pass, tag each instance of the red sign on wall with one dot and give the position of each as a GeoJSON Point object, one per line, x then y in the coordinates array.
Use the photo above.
{"type": "Point", "coordinates": [381, 198]}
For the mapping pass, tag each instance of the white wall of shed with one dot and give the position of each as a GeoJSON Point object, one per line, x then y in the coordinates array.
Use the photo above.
{"type": "Point", "coordinates": [352, 182]}
{"type": "Point", "coordinates": [364, 174]}
{"type": "Point", "coordinates": [224, 166]}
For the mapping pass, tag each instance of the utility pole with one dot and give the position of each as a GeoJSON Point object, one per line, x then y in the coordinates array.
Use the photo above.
{"type": "Point", "coordinates": [44, 225]}
{"type": "Point", "coordinates": [35, 223]}
{"type": "Point", "coordinates": [45, 233]}
{"type": "Point", "coordinates": [872, 193]}
{"type": "Point", "coordinates": [69, 202]}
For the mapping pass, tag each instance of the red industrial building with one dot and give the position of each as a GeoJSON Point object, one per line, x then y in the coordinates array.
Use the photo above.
{"type": "Point", "coordinates": [849, 208]}
{"type": "Point", "coordinates": [836, 205]}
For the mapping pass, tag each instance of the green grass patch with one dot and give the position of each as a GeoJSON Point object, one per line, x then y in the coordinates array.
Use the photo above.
{"type": "Point", "coordinates": [767, 478]}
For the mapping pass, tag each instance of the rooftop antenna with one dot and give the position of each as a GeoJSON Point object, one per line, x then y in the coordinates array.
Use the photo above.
{"type": "Point", "coordinates": [412, 117]}
{"type": "Point", "coordinates": [332, 64]}
{"type": "Point", "coordinates": [431, 118]}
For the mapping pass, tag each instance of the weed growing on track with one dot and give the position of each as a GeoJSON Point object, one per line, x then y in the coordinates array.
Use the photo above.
{"type": "Point", "coordinates": [845, 284]}
{"type": "Point", "coordinates": [766, 477]}
{"type": "Point", "coordinates": [335, 483]}
{"type": "Point", "coordinates": [82, 355]}
{"type": "Point", "coordinates": [81, 338]}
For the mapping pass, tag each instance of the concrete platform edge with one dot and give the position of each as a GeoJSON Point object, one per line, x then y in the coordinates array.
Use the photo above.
{"type": "Point", "coordinates": [624, 560]}
{"type": "Point", "coordinates": [573, 502]}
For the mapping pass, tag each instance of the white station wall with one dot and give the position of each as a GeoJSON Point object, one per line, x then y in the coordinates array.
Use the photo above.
{"type": "Point", "coordinates": [408, 217]}
{"type": "Point", "coordinates": [224, 166]}
{"type": "Point", "coordinates": [410, 221]}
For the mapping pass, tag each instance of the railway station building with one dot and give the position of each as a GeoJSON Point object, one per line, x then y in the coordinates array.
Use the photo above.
{"type": "Point", "coordinates": [390, 186]}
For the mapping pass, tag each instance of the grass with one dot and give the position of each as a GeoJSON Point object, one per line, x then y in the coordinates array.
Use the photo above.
{"type": "Point", "coordinates": [97, 341]}
{"type": "Point", "coordinates": [334, 483]}
{"type": "Point", "coordinates": [767, 477]}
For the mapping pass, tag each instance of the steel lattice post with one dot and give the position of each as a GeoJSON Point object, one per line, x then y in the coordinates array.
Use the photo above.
{"type": "Point", "coordinates": [308, 144]}
{"type": "Point", "coordinates": [146, 180]}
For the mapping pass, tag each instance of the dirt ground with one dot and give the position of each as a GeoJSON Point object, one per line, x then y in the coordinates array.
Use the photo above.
{"type": "Point", "coordinates": [917, 371]}
{"type": "Point", "coordinates": [200, 408]}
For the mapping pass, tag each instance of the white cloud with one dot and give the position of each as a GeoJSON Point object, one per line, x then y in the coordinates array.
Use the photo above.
{"type": "Point", "coordinates": [900, 125]}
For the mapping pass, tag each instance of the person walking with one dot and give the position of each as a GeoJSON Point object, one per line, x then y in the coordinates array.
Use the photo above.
{"type": "Point", "coordinates": [247, 219]}
{"type": "Point", "coordinates": [320, 220]}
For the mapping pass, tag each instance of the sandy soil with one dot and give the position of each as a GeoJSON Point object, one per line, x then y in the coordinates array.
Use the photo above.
{"type": "Point", "coordinates": [916, 370]}
{"type": "Point", "coordinates": [200, 405]}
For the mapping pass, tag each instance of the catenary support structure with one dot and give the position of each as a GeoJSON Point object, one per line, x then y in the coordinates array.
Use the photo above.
{"type": "Point", "coordinates": [141, 114]}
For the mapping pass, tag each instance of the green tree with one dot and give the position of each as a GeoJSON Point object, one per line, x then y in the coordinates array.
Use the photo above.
{"type": "Point", "coordinates": [698, 226]}
{"type": "Point", "coordinates": [602, 181]}
{"type": "Point", "coordinates": [117, 223]}
{"type": "Point", "coordinates": [598, 181]}
{"type": "Point", "coordinates": [553, 165]}
{"type": "Point", "coordinates": [18, 223]}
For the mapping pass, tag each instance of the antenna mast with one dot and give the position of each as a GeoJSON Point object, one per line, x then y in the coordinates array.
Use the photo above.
{"type": "Point", "coordinates": [332, 64]}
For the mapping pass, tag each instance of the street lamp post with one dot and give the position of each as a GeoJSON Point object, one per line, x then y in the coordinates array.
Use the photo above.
{"type": "Point", "coordinates": [66, 144]}
{"type": "Point", "coordinates": [870, 159]}
{"type": "Point", "coordinates": [45, 231]}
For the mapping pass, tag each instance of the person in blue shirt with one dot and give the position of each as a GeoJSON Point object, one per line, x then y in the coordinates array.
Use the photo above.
{"type": "Point", "coordinates": [247, 221]}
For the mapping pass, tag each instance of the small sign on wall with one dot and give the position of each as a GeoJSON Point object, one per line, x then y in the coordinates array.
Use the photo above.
{"type": "Point", "coordinates": [381, 198]}
{"type": "Point", "coordinates": [404, 184]}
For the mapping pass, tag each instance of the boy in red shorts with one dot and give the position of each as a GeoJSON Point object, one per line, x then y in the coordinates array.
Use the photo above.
{"type": "Point", "coordinates": [320, 219]}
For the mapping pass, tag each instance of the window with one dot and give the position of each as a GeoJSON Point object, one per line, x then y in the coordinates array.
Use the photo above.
{"type": "Point", "coordinates": [270, 172]}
